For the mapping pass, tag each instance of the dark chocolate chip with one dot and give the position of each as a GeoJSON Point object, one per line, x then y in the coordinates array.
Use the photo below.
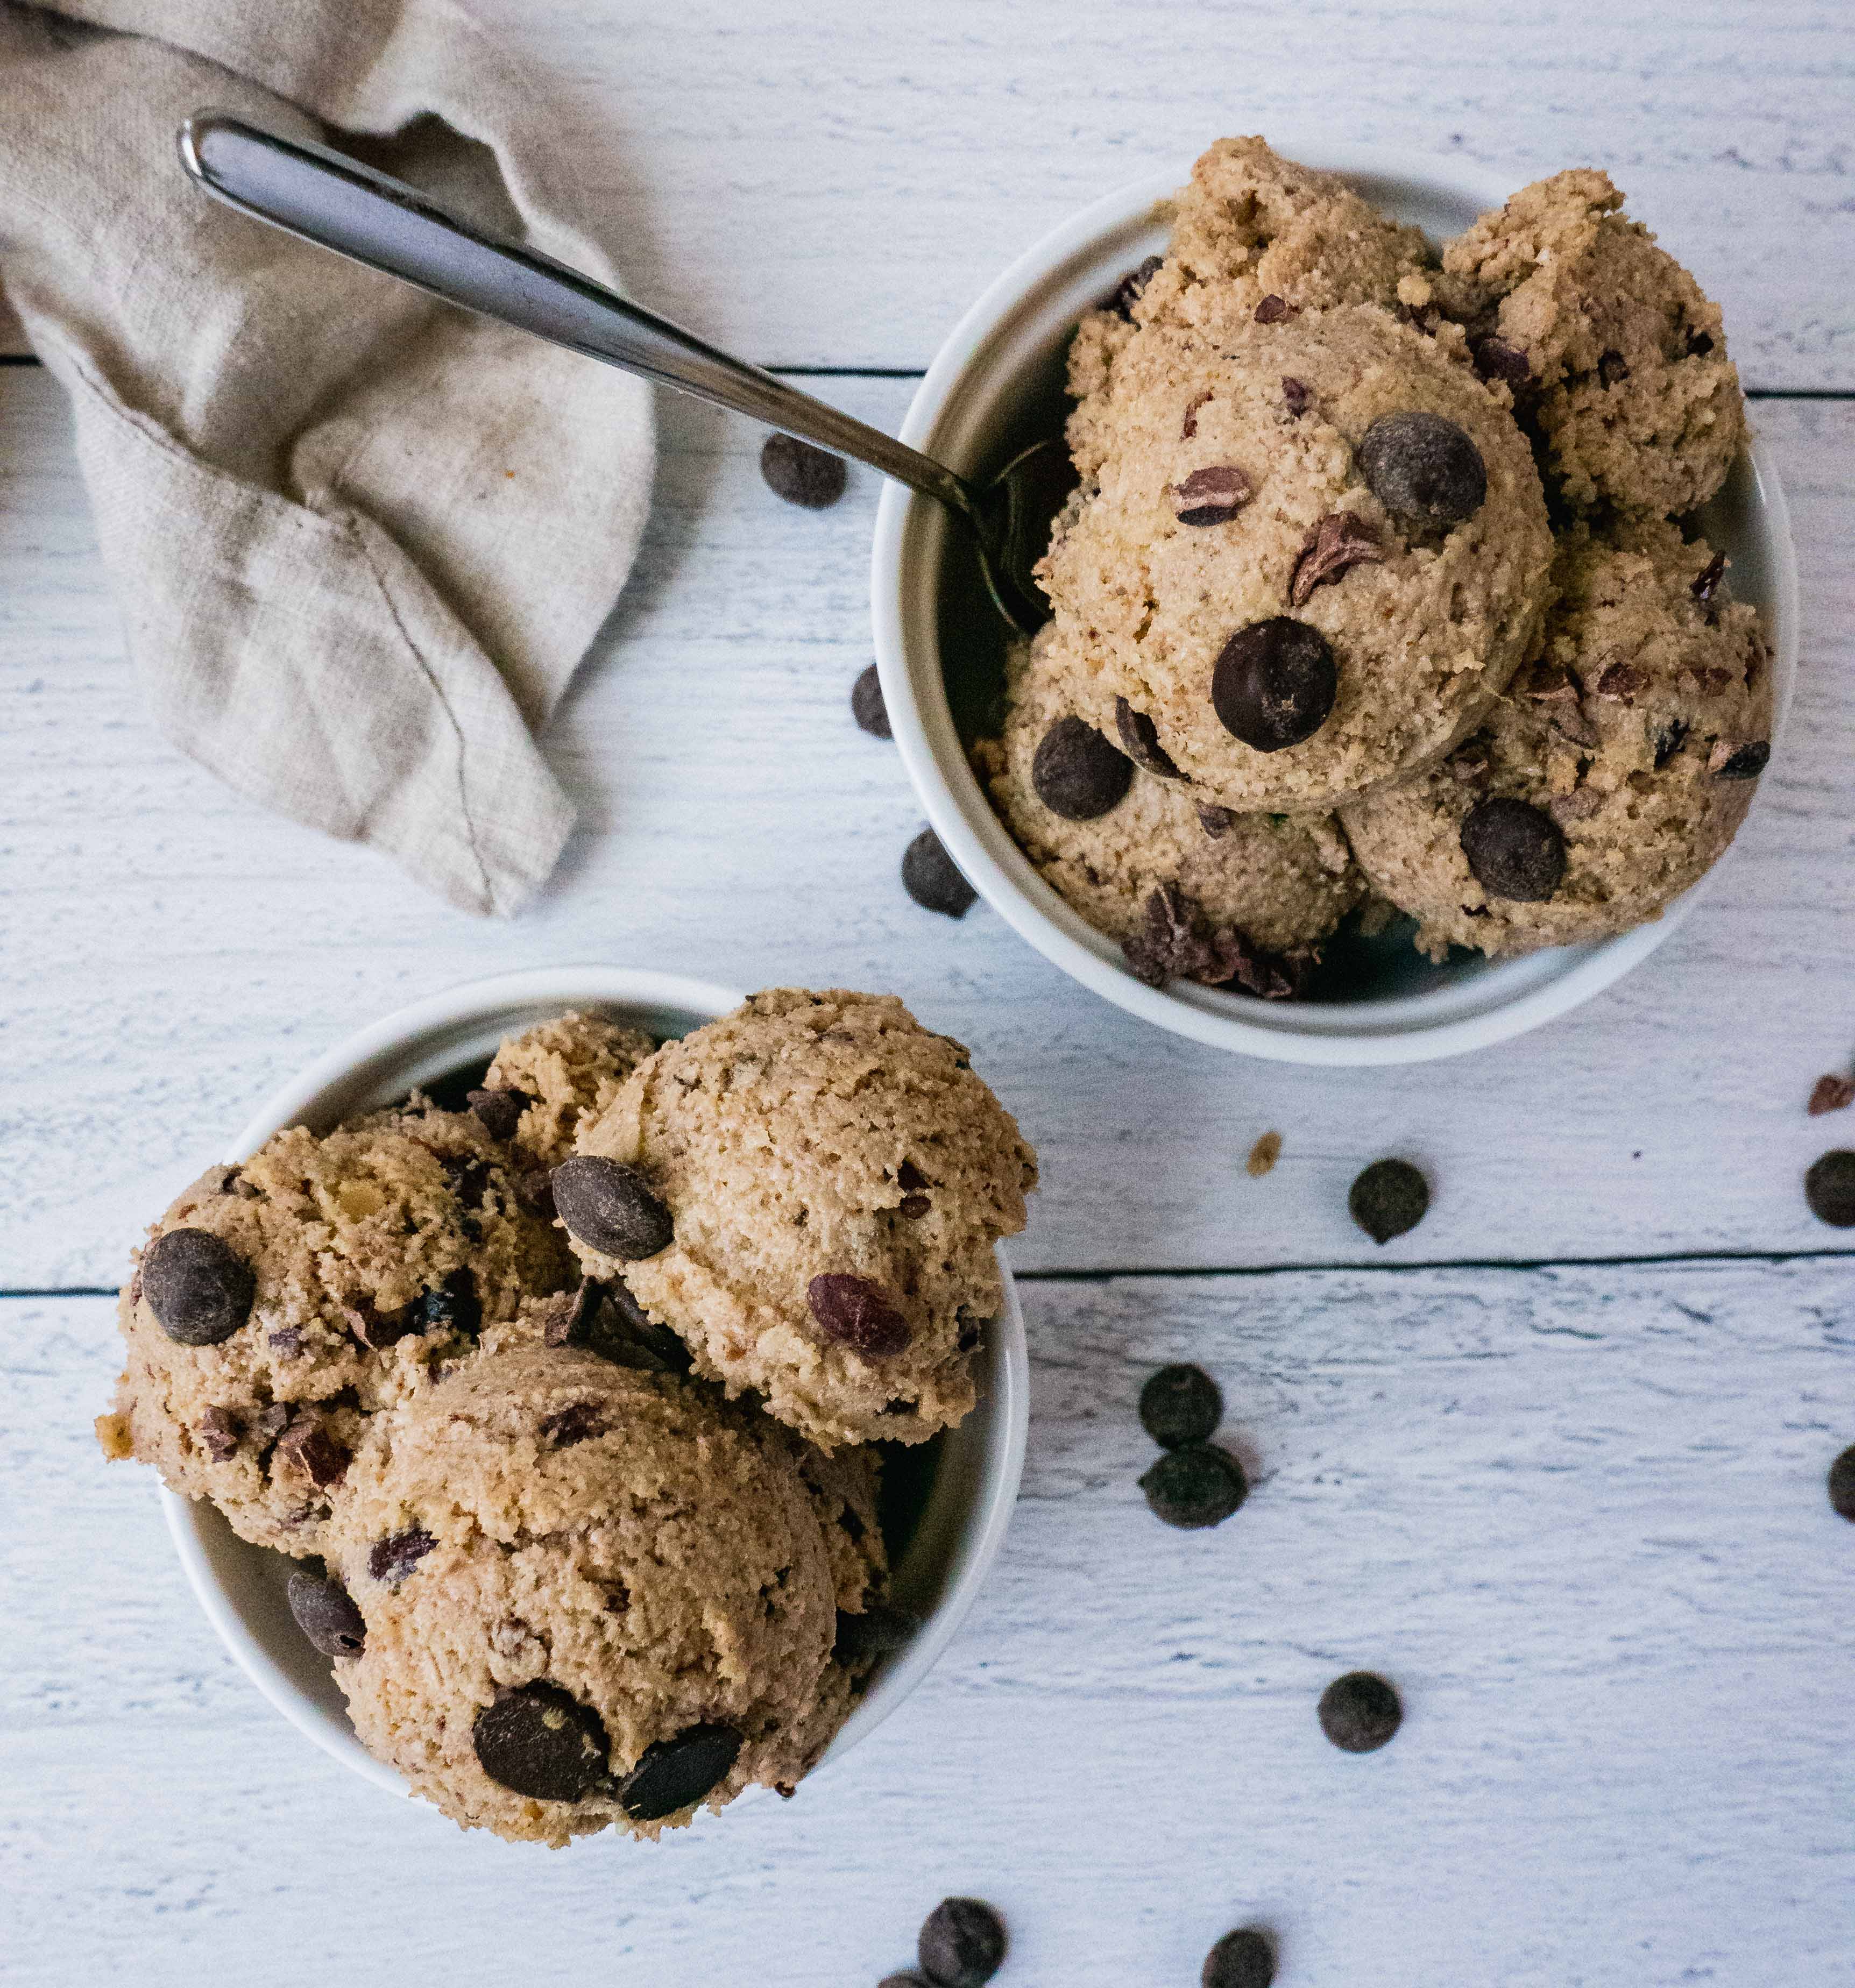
{"type": "Point", "coordinates": [1668, 741]}
{"type": "Point", "coordinates": [877, 1632]}
{"type": "Point", "coordinates": [1275, 684]}
{"type": "Point", "coordinates": [1612, 366]}
{"type": "Point", "coordinates": [1388, 1199]}
{"type": "Point", "coordinates": [375, 1328]}
{"type": "Point", "coordinates": [286, 1341]}
{"type": "Point", "coordinates": [1340, 540]}
{"type": "Point", "coordinates": [1620, 683]}
{"type": "Point", "coordinates": [1699, 344]}
{"type": "Point", "coordinates": [1195, 1485]}
{"type": "Point", "coordinates": [1738, 759]}
{"type": "Point", "coordinates": [1297, 394]}
{"type": "Point", "coordinates": [1077, 773]}
{"type": "Point", "coordinates": [1424, 469]}
{"type": "Point", "coordinates": [1514, 851]}
{"type": "Point", "coordinates": [1842, 1484]}
{"type": "Point", "coordinates": [1706, 583]}
{"type": "Point", "coordinates": [610, 1208]}
{"type": "Point", "coordinates": [1212, 496]}
{"type": "Point", "coordinates": [914, 1206]}
{"type": "Point", "coordinates": [451, 1307]}
{"type": "Point", "coordinates": [307, 1445]}
{"type": "Point", "coordinates": [326, 1614]}
{"type": "Point", "coordinates": [672, 1774]}
{"type": "Point", "coordinates": [198, 1288]}
{"type": "Point", "coordinates": [1496, 359]}
{"type": "Point", "coordinates": [908, 1977]}
{"type": "Point", "coordinates": [391, 1559]}
{"type": "Point", "coordinates": [1216, 821]}
{"type": "Point", "coordinates": [1833, 1093]}
{"type": "Point", "coordinates": [1271, 310]}
{"type": "Point", "coordinates": [932, 879]}
{"type": "Point", "coordinates": [1179, 1405]}
{"type": "Point", "coordinates": [218, 1429]}
{"type": "Point", "coordinates": [1829, 1188]}
{"type": "Point", "coordinates": [270, 1423]}
{"type": "Point", "coordinates": [1140, 740]}
{"type": "Point", "coordinates": [539, 1743]}
{"type": "Point", "coordinates": [1127, 292]}
{"type": "Point", "coordinates": [962, 1944]}
{"type": "Point", "coordinates": [867, 706]}
{"type": "Point", "coordinates": [800, 473]}
{"type": "Point", "coordinates": [858, 1314]}
{"type": "Point", "coordinates": [606, 1320]}
{"type": "Point", "coordinates": [1245, 1959]}
{"type": "Point", "coordinates": [498, 1112]}
{"type": "Point", "coordinates": [579, 1421]}
{"type": "Point", "coordinates": [1359, 1712]}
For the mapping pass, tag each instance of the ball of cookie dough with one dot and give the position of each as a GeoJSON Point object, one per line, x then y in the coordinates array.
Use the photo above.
{"type": "Point", "coordinates": [1272, 886]}
{"type": "Point", "coordinates": [1613, 352]}
{"type": "Point", "coordinates": [828, 1179]}
{"type": "Point", "coordinates": [1315, 552]}
{"type": "Point", "coordinates": [280, 1302]}
{"type": "Point", "coordinates": [1613, 774]}
{"type": "Point", "coordinates": [593, 1597]}
{"type": "Point", "coordinates": [546, 1079]}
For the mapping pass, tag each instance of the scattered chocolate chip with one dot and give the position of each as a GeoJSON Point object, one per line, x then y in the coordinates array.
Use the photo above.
{"type": "Point", "coordinates": [1077, 773]}
{"type": "Point", "coordinates": [307, 1445]}
{"type": "Point", "coordinates": [1832, 1094]}
{"type": "Point", "coordinates": [1738, 759]}
{"type": "Point", "coordinates": [672, 1774]}
{"type": "Point", "coordinates": [540, 1743]}
{"type": "Point", "coordinates": [1179, 1405]}
{"type": "Point", "coordinates": [1216, 821]}
{"type": "Point", "coordinates": [932, 879]}
{"type": "Point", "coordinates": [269, 1423]}
{"type": "Point", "coordinates": [1245, 1959]}
{"type": "Point", "coordinates": [286, 1341]}
{"type": "Point", "coordinates": [579, 1421]}
{"type": "Point", "coordinates": [1271, 310]}
{"type": "Point", "coordinates": [1359, 1712]}
{"type": "Point", "coordinates": [1263, 1155]}
{"type": "Point", "coordinates": [326, 1614]}
{"type": "Point", "coordinates": [801, 474]}
{"type": "Point", "coordinates": [1297, 394]}
{"type": "Point", "coordinates": [879, 1632]}
{"type": "Point", "coordinates": [1388, 1199]}
{"type": "Point", "coordinates": [199, 1289]}
{"type": "Point", "coordinates": [498, 1112]}
{"type": "Point", "coordinates": [1340, 540]}
{"type": "Point", "coordinates": [391, 1559]}
{"type": "Point", "coordinates": [858, 1314]}
{"type": "Point", "coordinates": [1706, 583]}
{"type": "Point", "coordinates": [610, 1208]}
{"type": "Point", "coordinates": [1194, 1487]}
{"type": "Point", "coordinates": [1188, 425]}
{"type": "Point", "coordinates": [451, 1307]}
{"type": "Point", "coordinates": [1212, 496]}
{"type": "Point", "coordinates": [1619, 683]}
{"type": "Point", "coordinates": [1842, 1484]}
{"type": "Point", "coordinates": [1140, 740]}
{"type": "Point", "coordinates": [867, 706]}
{"type": "Point", "coordinates": [1514, 849]}
{"type": "Point", "coordinates": [1177, 941]}
{"type": "Point", "coordinates": [375, 1328]}
{"type": "Point", "coordinates": [1829, 1188]}
{"type": "Point", "coordinates": [914, 1206]}
{"type": "Point", "coordinates": [218, 1432]}
{"type": "Point", "coordinates": [1699, 344]}
{"type": "Point", "coordinates": [1127, 293]}
{"type": "Point", "coordinates": [1424, 469]}
{"type": "Point", "coordinates": [962, 1944]}
{"type": "Point", "coordinates": [1668, 741]}
{"type": "Point", "coordinates": [1496, 359]}
{"type": "Point", "coordinates": [1275, 684]}
{"type": "Point", "coordinates": [1612, 367]}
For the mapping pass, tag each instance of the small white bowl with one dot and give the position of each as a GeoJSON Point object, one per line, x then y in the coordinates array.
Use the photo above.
{"type": "Point", "coordinates": [962, 1521]}
{"type": "Point", "coordinates": [996, 385]}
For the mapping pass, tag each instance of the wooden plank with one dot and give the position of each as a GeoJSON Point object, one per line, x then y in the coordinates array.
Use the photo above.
{"type": "Point", "coordinates": [172, 954]}
{"type": "Point", "coordinates": [1576, 1515]}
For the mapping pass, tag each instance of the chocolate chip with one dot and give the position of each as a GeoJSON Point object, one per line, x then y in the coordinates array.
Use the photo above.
{"type": "Point", "coordinates": [858, 1314]}
{"type": "Point", "coordinates": [1706, 583]}
{"type": "Point", "coordinates": [932, 879]}
{"type": "Point", "coordinates": [1496, 359]}
{"type": "Point", "coordinates": [914, 1206]}
{"type": "Point", "coordinates": [671, 1774]}
{"type": "Point", "coordinates": [1245, 1959]}
{"type": "Point", "coordinates": [218, 1429]}
{"type": "Point", "coordinates": [1216, 821]}
{"type": "Point", "coordinates": [391, 1559]}
{"type": "Point", "coordinates": [1212, 496]}
{"type": "Point", "coordinates": [1842, 1484]}
{"type": "Point", "coordinates": [1195, 1485]}
{"type": "Point", "coordinates": [607, 1320]}
{"type": "Point", "coordinates": [1140, 740]}
{"type": "Point", "coordinates": [1829, 1188]}
{"type": "Point", "coordinates": [1425, 470]}
{"type": "Point", "coordinates": [1389, 1197]}
{"type": "Point", "coordinates": [1275, 684]}
{"type": "Point", "coordinates": [1738, 759]}
{"type": "Point", "coordinates": [286, 1341]}
{"type": "Point", "coordinates": [1176, 942]}
{"type": "Point", "coordinates": [1340, 540]}
{"type": "Point", "coordinates": [1832, 1094]}
{"type": "Point", "coordinates": [375, 1328]}
{"type": "Point", "coordinates": [1297, 394]}
{"type": "Point", "coordinates": [1179, 1405]}
{"type": "Point", "coordinates": [535, 1190]}
{"type": "Point", "coordinates": [1612, 367]}
{"type": "Point", "coordinates": [802, 475]}
{"type": "Point", "coordinates": [1619, 683]}
{"type": "Point", "coordinates": [199, 1289]}
{"type": "Point", "coordinates": [1127, 292]}
{"type": "Point", "coordinates": [451, 1307]}
{"type": "Point", "coordinates": [1077, 773]}
{"type": "Point", "coordinates": [908, 1977]}
{"type": "Point", "coordinates": [307, 1445]}
{"type": "Point", "coordinates": [579, 1421]}
{"type": "Point", "coordinates": [269, 1423]}
{"type": "Point", "coordinates": [326, 1614]}
{"type": "Point", "coordinates": [867, 706]}
{"type": "Point", "coordinates": [962, 1944]}
{"type": "Point", "coordinates": [1271, 310]}
{"type": "Point", "coordinates": [1359, 1712]}
{"type": "Point", "coordinates": [1668, 741]}
{"type": "Point", "coordinates": [540, 1743]}
{"type": "Point", "coordinates": [1699, 344]}
{"type": "Point", "coordinates": [1514, 851]}
{"type": "Point", "coordinates": [498, 1112]}
{"type": "Point", "coordinates": [1579, 805]}
{"type": "Point", "coordinates": [610, 1208]}
{"type": "Point", "coordinates": [879, 1632]}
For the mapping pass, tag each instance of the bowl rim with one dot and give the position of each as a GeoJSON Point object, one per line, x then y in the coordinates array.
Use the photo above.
{"type": "Point", "coordinates": [198, 1532]}
{"type": "Point", "coordinates": [1399, 1030]}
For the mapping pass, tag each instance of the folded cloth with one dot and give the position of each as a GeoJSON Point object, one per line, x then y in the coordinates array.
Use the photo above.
{"type": "Point", "coordinates": [360, 539]}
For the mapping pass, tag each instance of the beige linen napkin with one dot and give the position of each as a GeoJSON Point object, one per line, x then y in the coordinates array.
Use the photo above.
{"type": "Point", "coordinates": [360, 539]}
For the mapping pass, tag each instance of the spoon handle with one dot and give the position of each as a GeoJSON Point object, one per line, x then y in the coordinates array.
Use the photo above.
{"type": "Point", "coordinates": [334, 201]}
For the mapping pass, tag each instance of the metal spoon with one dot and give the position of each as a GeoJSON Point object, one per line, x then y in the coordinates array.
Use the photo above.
{"type": "Point", "coordinates": [329, 199]}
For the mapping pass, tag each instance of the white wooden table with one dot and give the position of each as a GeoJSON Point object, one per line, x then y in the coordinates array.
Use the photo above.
{"type": "Point", "coordinates": [1554, 1461]}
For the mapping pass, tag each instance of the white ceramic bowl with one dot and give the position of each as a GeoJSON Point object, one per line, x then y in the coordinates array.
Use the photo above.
{"type": "Point", "coordinates": [996, 385]}
{"type": "Point", "coordinates": [974, 1482]}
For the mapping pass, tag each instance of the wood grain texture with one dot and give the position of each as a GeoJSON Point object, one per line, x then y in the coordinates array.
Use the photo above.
{"type": "Point", "coordinates": [172, 954]}
{"type": "Point", "coordinates": [1576, 1515]}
